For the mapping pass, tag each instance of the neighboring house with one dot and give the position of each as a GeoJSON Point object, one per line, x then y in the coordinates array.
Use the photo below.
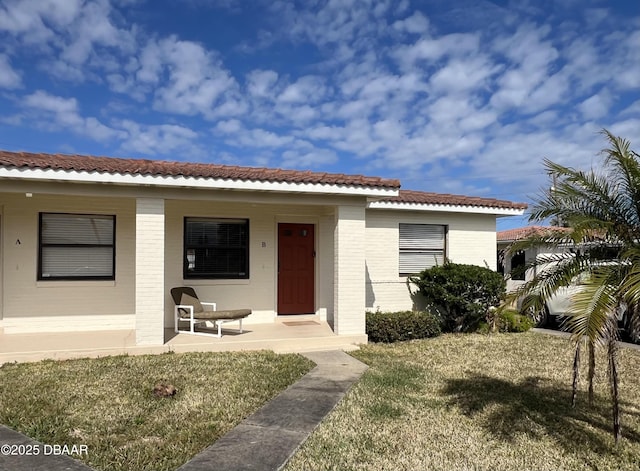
{"type": "Point", "coordinates": [96, 243]}
{"type": "Point", "coordinates": [512, 265]}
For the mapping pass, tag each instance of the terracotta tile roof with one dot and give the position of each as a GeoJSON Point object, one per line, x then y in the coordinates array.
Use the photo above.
{"type": "Point", "coordinates": [112, 165]}
{"type": "Point", "coordinates": [422, 197]}
{"type": "Point", "coordinates": [523, 232]}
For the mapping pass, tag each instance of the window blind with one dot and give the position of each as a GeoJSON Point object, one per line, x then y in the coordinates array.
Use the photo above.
{"type": "Point", "coordinates": [216, 248]}
{"type": "Point", "coordinates": [422, 246]}
{"type": "Point", "coordinates": [76, 246]}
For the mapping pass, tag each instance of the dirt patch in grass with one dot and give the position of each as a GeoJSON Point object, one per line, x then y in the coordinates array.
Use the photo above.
{"type": "Point", "coordinates": [108, 403]}
{"type": "Point", "coordinates": [476, 402]}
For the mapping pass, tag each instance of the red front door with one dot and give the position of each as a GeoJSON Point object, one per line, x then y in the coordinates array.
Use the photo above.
{"type": "Point", "coordinates": [296, 267]}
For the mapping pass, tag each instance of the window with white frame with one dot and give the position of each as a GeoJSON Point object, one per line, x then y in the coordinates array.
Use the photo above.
{"type": "Point", "coordinates": [422, 246]}
{"type": "Point", "coordinates": [76, 247]}
{"type": "Point", "coordinates": [216, 248]}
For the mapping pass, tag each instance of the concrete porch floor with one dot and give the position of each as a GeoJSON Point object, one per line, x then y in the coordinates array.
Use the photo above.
{"type": "Point", "coordinates": [288, 334]}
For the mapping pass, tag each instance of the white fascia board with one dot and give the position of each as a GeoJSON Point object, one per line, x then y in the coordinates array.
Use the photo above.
{"type": "Point", "coordinates": [445, 208]}
{"type": "Point", "coordinates": [191, 182]}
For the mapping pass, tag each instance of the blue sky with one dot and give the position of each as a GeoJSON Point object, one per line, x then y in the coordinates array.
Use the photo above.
{"type": "Point", "coordinates": [464, 96]}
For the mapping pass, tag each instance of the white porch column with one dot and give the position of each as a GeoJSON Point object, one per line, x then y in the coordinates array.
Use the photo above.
{"type": "Point", "coordinates": [349, 271]}
{"type": "Point", "coordinates": [150, 293]}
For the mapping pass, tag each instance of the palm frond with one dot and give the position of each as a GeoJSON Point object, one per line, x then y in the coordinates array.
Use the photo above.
{"type": "Point", "coordinates": [586, 201]}
{"type": "Point", "coordinates": [630, 286]}
{"type": "Point", "coordinates": [552, 272]}
{"type": "Point", "coordinates": [625, 172]}
{"type": "Point", "coordinates": [591, 313]}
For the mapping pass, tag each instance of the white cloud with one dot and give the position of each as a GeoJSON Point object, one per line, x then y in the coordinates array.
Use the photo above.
{"type": "Point", "coordinates": [71, 39]}
{"type": "Point", "coordinates": [93, 28]}
{"type": "Point", "coordinates": [416, 24]}
{"type": "Point", "coordinates": [66, 71]}
{"type": "Point", "coordinates": [596, 106]}
{"type": "Point", "coordinates": [627, 129]}
{"type": "Point", "coordinates": [29, 18]}
{"type": "Point", "coordinates": [150, 62]}
{"type": "Point", "coordinates": [447, 110]}
{"type": "Point", "coordinates": [549, 118]}
{"type": "Point", "coordinates": [584, 64]}
{"type": "Point", "coordinates": [230, 126]}
{"type": "Point", "coordinates": [237, 135]}
{"type": "Point", "coordinates": [296, 115]}
{"type": "Point", "coordinates": [633, 108]}
{"type": "Point", "coordinates": [357, 138]}
{"type": "Point", "coordinates": [9, 78]}
{"type": "Point", "coordinates": [433, 49]}
{"type": "Point", "coordinates": [261, 138]}
{"type": "Point", "coordinates": [335, 21]}
{"type": "Point", "coordinates": [305, 89]}
{"type": "Point", "coordinates": [477, 120]}
{"type": "Point", "coordinates": [531, 58]}
{"type": "Point", "coordinates": [196, 81]}
{"type": "Point", "coordinates": [389, 130]}
{"type": "Point", "coordinates": [126, 84]}
{"type": "Point", "coordinates": [308, 159]}
{"type": "Point", "coordinates": [463, 75]}
{"type": "Point", "coordinates": [260, 83]}
{"type": "Point", "coordinates": [324, 133]}
{"type": "Point", "coordinates": [552, 91]}
{"type": "Point", "coordinates": [43, 101]}
{"type": "Point", "coordinates": [627, 73]}
{"type": "Point", "coordinates": [161, 139]}
{"type": "Point", "coordinates": [55, 112]}
{"type": "Point", "coordinates": [515, 154]}
{"type": "Point", "coordinates": [94, 129]}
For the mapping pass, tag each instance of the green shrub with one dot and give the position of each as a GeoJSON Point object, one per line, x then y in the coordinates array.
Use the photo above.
{"type": "Point", "coordinates": [510, 320]}
{"type": "Point", "coordinates": [460, 294]}
{"type": "Point", "coordinates": [396, 326]}
{"type": "Point", "coordinates": [483, 328]}
{"type": "Point", "coordinates": [505, 320]}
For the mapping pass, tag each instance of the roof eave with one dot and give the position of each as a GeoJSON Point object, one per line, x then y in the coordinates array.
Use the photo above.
{"type": "Point", "coordinates": [448, 208]}
{"type": "Point", "coordinates": [67, 176]}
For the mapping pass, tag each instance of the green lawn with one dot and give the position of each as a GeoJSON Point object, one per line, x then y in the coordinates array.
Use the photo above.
{"type": "Point", "coordinates": [476, 402]}
{"type": "Point", "coordinates": [456, 402]}
{"type": "Point", "coordinates": [108, 405]}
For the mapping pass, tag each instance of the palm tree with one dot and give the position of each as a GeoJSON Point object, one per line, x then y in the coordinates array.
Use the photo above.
{"type": "Point", "coordinates": [602, 209]}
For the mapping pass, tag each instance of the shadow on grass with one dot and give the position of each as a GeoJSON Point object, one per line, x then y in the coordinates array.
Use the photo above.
{"type": "Point", "coordinates": [535, 407]}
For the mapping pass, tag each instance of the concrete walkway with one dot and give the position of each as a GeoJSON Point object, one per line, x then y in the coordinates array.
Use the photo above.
{"type": "Point", "coordinates": [14, 446]}
{"type": "Point", "coordinates": [264, 441]}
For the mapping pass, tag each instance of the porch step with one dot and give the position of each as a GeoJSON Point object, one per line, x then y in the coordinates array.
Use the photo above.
{"type": "Point", "coordinates": [289, 345]}
{"type": "Point", "coordinates": [280, 338]}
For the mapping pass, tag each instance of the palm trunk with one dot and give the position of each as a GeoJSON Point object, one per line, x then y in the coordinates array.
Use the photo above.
{"type": "Point", "coordinates": [576, 374]}
{"type": "Point", "coordinates": [592, 370]}
{"type": "Point", "coordinates": [613, 382]}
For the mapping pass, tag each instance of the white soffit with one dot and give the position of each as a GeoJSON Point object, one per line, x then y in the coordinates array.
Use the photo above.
{"type": "Point", "coordinates": [172, 181]}
{"type": "Point", "coordinates": [445, 208]}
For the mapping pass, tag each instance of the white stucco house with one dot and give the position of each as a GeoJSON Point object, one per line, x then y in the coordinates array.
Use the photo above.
{"type": "Point", "coordinates": [509, 264]}
{"type": "Point", "coordinates": [96, 243]}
